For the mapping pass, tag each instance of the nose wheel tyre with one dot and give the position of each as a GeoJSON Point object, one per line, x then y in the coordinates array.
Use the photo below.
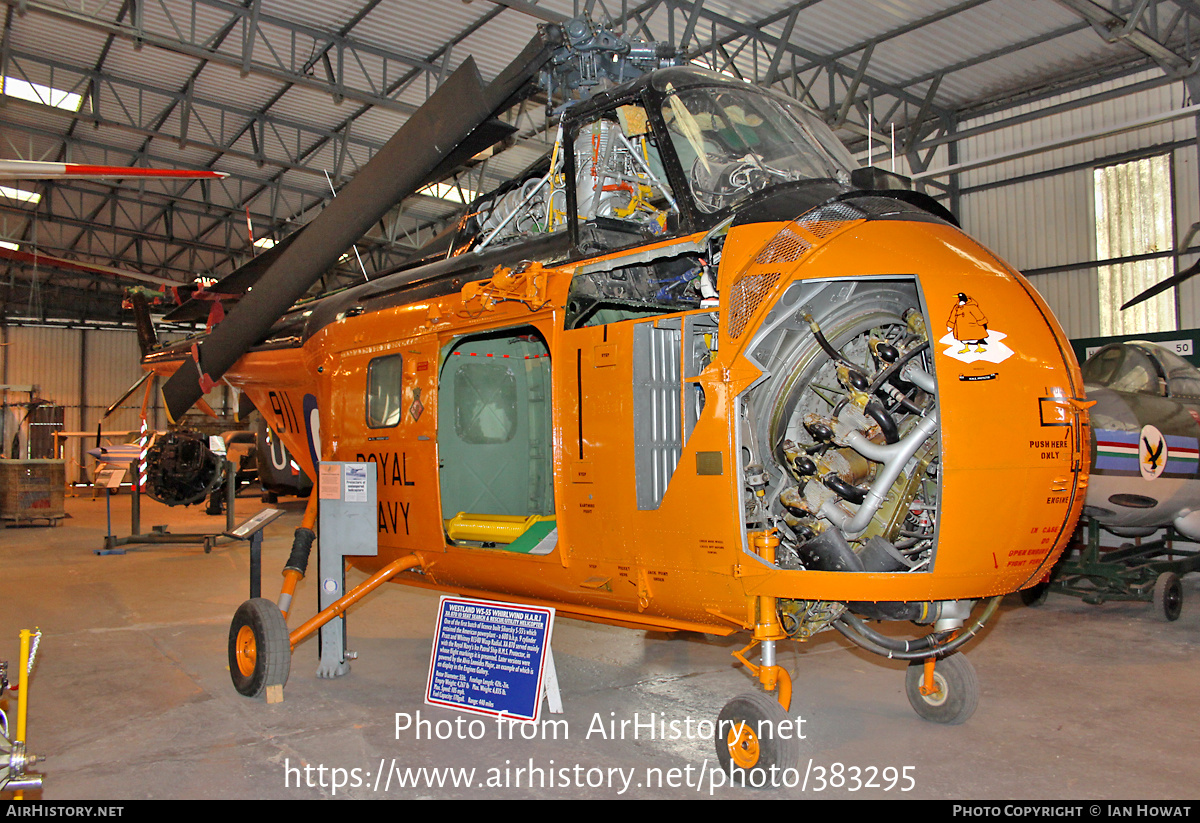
{"type": "Point", "coordinates": [956, 690]}
{"type": "Point", "coordinates": [260, 653]}
{"type": "Point", "coordinates": [758, 738]}
{"type": "Point", "coordinates": [1168, 595]}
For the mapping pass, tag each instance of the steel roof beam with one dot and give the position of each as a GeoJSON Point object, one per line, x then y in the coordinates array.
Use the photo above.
{"type": "Point", "coordinates": [1113, 28]}
{"type": "Point", "coordinates": [441, 52]}
{"type": "Point", "coordinates": [250, 126]}
{"type": "Point", "coordinates": [292, 62]}
{"type": "Point", "coordinates": [755, 32]}
{"type": "Point", "coordinates": [212, 125]}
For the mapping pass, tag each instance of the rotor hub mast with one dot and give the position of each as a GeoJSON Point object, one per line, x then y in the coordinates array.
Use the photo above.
{"type": "Point", "coordinates": [593, 58]}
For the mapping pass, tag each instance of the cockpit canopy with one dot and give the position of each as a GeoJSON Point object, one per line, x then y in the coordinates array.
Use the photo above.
{"type": "Point", "coordinates": [1142, 367]}
{"type": "Point", "coordinates": [731, 141]}
{"type": "Point", "coordinates": [672, 152]}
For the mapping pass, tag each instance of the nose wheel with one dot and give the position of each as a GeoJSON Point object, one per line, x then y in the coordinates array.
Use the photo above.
{"type": "Point", "coordinates": [1035, 596]}
{"type": "Point", "coordinates": [943, 692]}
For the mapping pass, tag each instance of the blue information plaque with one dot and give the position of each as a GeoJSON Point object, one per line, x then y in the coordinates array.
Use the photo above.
{"type": "Point", "coordinates": [489, 657]}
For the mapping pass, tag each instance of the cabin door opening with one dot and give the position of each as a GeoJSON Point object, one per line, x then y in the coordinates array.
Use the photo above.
{"type": "Point", "coordinates": [495, 449]}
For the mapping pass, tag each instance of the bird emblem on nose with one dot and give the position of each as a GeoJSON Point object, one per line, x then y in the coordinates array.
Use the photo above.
{"type": "Point", "coordinates": [1152, 451]}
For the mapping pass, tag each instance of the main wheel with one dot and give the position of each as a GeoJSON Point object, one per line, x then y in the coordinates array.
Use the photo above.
{"type": "Point", "coordinates": [756, 736]}
{"type": "Point", "coordinates": [260, 653]}
{"type": "Point", "coordinates": [1168, 595]}
{"type": "Point", "coordinates": [956, 695]}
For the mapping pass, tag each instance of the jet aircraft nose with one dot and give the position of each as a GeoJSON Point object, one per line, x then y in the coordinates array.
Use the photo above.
{"type": "Point", "coordinates": [1144, 466]}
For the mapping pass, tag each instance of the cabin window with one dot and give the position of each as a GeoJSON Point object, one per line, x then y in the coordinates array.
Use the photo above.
{"type": "Point", "coordinates": [486, 395]}
{"type": "Point", "coordinates": [1133, 217]}
{"type": "Point", "coordinates": [384, 390]}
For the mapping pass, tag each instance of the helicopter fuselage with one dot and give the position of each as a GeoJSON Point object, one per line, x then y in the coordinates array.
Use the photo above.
{"type": "Point", "coordinates": [680, 402]}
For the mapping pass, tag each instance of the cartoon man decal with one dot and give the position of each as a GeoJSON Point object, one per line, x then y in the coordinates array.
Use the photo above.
{"type": "Point", "coordinates": [968, 325]}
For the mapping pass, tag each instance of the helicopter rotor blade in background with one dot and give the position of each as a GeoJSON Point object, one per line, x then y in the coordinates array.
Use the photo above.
{"type": "Point", "coordinates": [37, 170]}
{"type": "Point", "coordinates": [1170, 283]}
{"type": "Point", "coordinates": [35, 258]}
{"type": "Point", "coordinates": [447, 119]}
{"type": "Point", "coordinates": [141, 381]}
{"type": "Point", "coordinates": [239, 281]}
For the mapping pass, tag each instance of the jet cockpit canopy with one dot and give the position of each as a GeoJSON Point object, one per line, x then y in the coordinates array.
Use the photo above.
{"type": "Point", "coordinates": [1140, 367]}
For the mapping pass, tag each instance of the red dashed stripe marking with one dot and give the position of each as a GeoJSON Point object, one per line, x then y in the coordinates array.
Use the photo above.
{"type": "Point", "coordinates": [512, 356]}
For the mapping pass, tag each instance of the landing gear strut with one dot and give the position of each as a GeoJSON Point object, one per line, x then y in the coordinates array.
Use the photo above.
{"type": "Point", "coordinates": [260, 646]}
{"type": "Point", "coordinates": [755, 733]}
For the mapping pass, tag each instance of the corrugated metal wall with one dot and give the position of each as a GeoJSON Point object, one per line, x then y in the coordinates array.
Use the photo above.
{"type": "Point", "coordinates": [84, 371]}
{"type": "Point", "coordinates": [1038, 211]}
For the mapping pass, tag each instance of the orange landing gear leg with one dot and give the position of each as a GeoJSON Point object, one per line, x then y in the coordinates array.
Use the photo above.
{"type": "Point", "coordinates": [260, 646]}
{"type": "Point", "coordinates": [767, 630]}
{"type": "Point", "coordinates": [756, 735]}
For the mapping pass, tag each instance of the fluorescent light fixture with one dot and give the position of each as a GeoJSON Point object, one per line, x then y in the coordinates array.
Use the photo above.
{"type": "Point", "coordinates": [264, 242]}
{"type": "Point", "coordinates": [37, 93]}
{"type": "Point", "coordinates": [448, 191]}
{"type": "Point", "coordinates": [20, 194]}
{"type": "Point", "coordinates": [4, 244]}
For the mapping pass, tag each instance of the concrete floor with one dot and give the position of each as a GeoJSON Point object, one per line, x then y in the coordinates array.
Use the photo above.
{"type": "Point", "coordinates": [131, 695]}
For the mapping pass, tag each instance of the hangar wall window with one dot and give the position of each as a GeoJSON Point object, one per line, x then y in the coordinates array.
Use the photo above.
{"type": "Point", "coordinates": [1134, 216]}
{"type": "Point", "coordinates": [384, 390]}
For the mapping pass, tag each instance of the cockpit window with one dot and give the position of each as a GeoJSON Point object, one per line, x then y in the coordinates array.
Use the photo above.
{"type": "Point", "coordinates": [618, 179]}
{"type": "Point", "coordinates": [732, 142]}
{"type": "Point", "coordinates": [1122, 368]}
{"type": "Point", "coordinates": [619, 174]}
{"type": "Point", "coordinates": [1182, 376]}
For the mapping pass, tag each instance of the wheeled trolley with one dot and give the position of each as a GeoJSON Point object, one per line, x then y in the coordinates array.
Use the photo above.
{"type": "Point", "coordinates": [1149, 572]}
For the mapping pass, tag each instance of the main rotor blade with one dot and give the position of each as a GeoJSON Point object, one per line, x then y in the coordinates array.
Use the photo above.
{"type": "Point", "coordinates": [434, 131]}
{"type": "Point", "coordinates": [1161, 286]}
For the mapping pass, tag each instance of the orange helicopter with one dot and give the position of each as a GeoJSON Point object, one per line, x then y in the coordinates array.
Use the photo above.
{"type": "Point", "coordinates": [693, 371]}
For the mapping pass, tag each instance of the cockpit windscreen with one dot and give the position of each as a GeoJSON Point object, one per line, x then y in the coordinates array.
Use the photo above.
{"type": "Point", "coordinates": [732, 142]}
